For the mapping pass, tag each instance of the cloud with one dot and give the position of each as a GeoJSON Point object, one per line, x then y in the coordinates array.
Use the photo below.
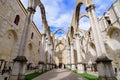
{"type": "Point", "coordinates": [84, 23]}
{"type": "Point", "coordinates": [59, 13]}
{"type": "Point", "coordinates": [102, 6]}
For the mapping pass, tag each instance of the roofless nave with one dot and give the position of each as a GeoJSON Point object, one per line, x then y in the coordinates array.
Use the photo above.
{"type": "Point", "coordinates": [24, 48]}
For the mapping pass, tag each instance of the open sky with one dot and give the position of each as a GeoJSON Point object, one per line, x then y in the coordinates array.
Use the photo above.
{"type": "Point", "coordinates": [59, 13]}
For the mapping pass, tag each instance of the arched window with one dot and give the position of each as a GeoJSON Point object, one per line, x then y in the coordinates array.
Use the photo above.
{"type": "Point", "coordinates": [108, 20]}
{"type": "Point", "coordinates": [32, 35]}
{"type": "Point", "coordinates": [17, 19]}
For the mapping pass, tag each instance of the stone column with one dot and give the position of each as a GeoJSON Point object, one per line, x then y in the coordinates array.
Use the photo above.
{"type": "Point", "coordinates": [94, 31]}
{"type": "Point", "coordinates": [49, 51]}
{"type": "Point", "coordinates": [103, 63]}
{"type": "Point", "coordinates": [52, 55]}
{"type": "Point", "coordinates": [52, 60]}
{"type": "Point", "coordinates": [72, 57]}
{"type": "Point", "coordinates": [80, 65]}
{"type": "Point", "coordinates": [42, 52]}
{"type": "Point", "coordinates": [68, 58]}
{"type": "Point", "coordinates": [101, 43]}
{"type": "Point", "coordinates": [18, 71]}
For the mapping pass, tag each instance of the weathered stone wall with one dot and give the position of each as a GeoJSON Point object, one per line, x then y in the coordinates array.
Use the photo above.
{"type": "Point", "coordinates": [10, 33]}
{"type": "Point", "coordinates": [111, 34]}
{"type": "Point", "coordinates": [60, 52]}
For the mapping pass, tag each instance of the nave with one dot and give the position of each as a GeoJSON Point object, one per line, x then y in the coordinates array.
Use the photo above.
{"type": "Point", "coordinates": [24, 48]}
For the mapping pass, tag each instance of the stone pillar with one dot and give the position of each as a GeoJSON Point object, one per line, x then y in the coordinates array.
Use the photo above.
{"type": "Point", "coordinates": [72, 57]}
{"type": "Point", "coordinates": [42, 56]}
{"type": "Point", "coordinates": [49, 56]}
{"type": "Point", "coordinates": [80, 66]}
{"type": "Point", "coordinates": [68, 58]}
{"type": "Point", "coordinates": [94, 31]}
{"type": "Point", "coordinates": [18, 71]}
{"type": "Point", "coordinates": [52, 56]}
{"type": "Point", "coordinates": [103, 63]}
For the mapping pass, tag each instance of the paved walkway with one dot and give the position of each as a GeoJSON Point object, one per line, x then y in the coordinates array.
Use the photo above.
{"type": "Point", "coordinates": [59, 74]}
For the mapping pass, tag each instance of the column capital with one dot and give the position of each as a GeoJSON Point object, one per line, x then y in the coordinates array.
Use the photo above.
{"type": "Point", "coordinates": [31, 10]}
{"type": "Point", "coordinates": [90, 7]}
{"type": "Point", "coordinates": [76, 34]}
{"type": "Point", "coordinates": [21, 59]}
{"type": "Point", "coordinates": [43, 34]}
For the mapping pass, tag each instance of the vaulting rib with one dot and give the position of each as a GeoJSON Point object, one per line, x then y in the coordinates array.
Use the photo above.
{"type": "Point", "coordinates": [44, 21]}
{"type": "Point", "coordinates": [43, 13]}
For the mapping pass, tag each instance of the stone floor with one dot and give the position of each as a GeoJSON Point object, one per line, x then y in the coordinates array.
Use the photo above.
{"type": "Point", "coordinates": [59, 74]}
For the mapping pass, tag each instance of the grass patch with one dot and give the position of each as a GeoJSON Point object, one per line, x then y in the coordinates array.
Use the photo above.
{"type": "Point", "coordinates": [86, 75]}
{"type": "Point", "coordinates": [74, 71]}
{"type": "Point", "coordinates": [89, 76]}
{"type": "Point", "coordinates": [33, 75]}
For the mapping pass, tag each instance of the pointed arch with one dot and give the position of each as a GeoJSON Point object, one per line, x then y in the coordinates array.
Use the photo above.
{"type": "Point", "coordinates": [77, 13]}
{"type": "Point", "coordinates": [58, 31]}
{"type": "Point", "coordinates": [59, 44]}
{"type": "Point", "coordinates": [83, 15]}
{"type": "Point", "coordinates": [7, 44]}
{"type": "Point", "coordinates": [60, 37]}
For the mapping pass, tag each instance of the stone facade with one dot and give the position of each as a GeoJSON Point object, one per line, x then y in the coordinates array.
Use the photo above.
{"type": "Point", "coordinates": [60, 52]}
{"type": "Point", "coordinates": [98, 46]}
{"type": "Point", "coordinates": [12, 21]}
{"type": "Point", "coordinates": [110, 29]}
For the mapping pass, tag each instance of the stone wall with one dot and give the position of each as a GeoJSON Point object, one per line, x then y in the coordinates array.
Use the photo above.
{"type": "Point", "coordinates": [12, 20]}
{"type": "Point", "coordinates": [110, 29]}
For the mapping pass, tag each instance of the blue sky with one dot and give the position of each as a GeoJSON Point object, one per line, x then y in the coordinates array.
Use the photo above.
{"type": "Point", "coordinates": [59, 13]}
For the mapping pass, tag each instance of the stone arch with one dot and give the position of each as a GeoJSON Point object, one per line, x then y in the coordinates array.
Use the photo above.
{"type": "Point", "coordinates": [59, 44]}
{"type": "Point", "coordinates": [60, 51]}
{"type": "Point", "coordinates": [7, 44]}
{"type": "Point", "coordinates": [57, 48]}
{"type": "Point", "coordinates": [114, 33]}
{"type": "Point", "coordinates": [77, 15]}
{"type": "Point", "coordinates": [58, 31]}
{"type": "Point", "coordinates": [39, 4]}
{"type": "Point", "coordinates": [58, 37]}
{"type": "Point", "coordinates": [83, 15]}
{"type": "Point", "coordinates": [84, 22]}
